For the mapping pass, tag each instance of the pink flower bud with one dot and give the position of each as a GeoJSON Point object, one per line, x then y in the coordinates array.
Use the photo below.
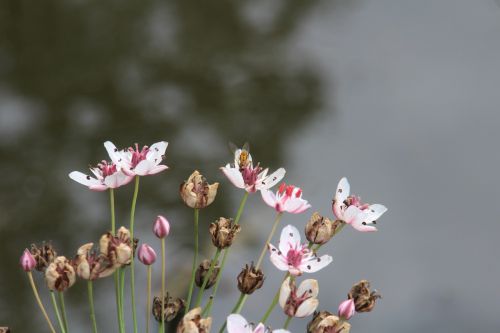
{"type": "Point", "coordinates": [346, 309]}
{"type": "Point", "coordinates": [146, 254]}
{"type": "Point", "coordinates": [27, 261]}
{"type": "Point", "coordinates": [161, 228]}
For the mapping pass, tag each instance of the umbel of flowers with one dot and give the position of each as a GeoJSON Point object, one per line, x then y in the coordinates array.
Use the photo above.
{"type": "Point", "coordinates": [117, 251]}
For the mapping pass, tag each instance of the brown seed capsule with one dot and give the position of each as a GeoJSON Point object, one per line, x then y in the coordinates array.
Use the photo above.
{"type": "Point", "coordinates": [196, 192]}
{"type": "Point", "coordinates": [60, 275]}
{"type": "Point", "coordinates": [250, 279]}
{"type": "Point", "coordinates": [173, 306]}
{"type": "Point", "coordinates": [223, 231]}
{"type": "Point", "coordinates": [319, 229]}
{"type": "Point", "coordinates": [117, 249]}
{"type": "Point", "coordinates": [194, 323]}
{"type": "Point", "coordinates": [325, 322]}
{"type": "Point", "coordinates": [202, 271]}
{"type": "Point", "coordinates": [89, 265]}
{"type": "Point", "coordinates": [44, 255]}
{"type": "Point", "coordinates": [364, 300]}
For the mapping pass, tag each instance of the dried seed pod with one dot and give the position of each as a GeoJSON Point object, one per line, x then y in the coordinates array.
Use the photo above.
{"type": "Point", "coordinates": [202, 271]}
{"type": "Point", "coordinates": [196, 192]}
{"type": "Point", "coordinates": [172, 306]}
{"type": "Point", "coordinates": [44, 255]}
{"type": "Point", "coordinates": [364, 300]}
{"type": "Point", "coordinates": [60, 275]}
{"type": "Point", "coordinates": [194, 323]}
{"type": "Point", "coordinates": [118, 250]}
{"type": "Point", "coordinates": [319, 229]}
{"type": "Point", "coordinates": [223, 231]}
{"type": "Point", "coordinates": [250, 279]}
{"type": "Point", "coordinates": [89, 265]}
{"type": "Point", "coordinates": [325, 322]}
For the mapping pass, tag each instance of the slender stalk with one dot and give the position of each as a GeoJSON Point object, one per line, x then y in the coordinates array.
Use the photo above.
{"type": "Point", "coordinates": [207, 276]}
{"type": "Point", "coordinates": [269, 238]}
{"type": "Point", "coordinates": [63, 310]}
{"type": "Point", "coordinates": [273, 303]}
{"type": "Point", "coordinates": [122, 296]}
{"type": "Point", "coordinates": [287, 322]}
{"type": "Point", "coordinates": [121, 329]}
{"type": "Point", "coordinates": [91, 303]}
{"type": "Point", "coordinates": [162, 325]}
{"type": "Point", "coordinates": [39, 301]}
{"type": "Point", "coordinates": [56, 310]}
{"type": "Point", "coordinates": [195, 258]}
{"type": "Point", "coordinates": [112, 208]}
{"type": "Point", "coordinates": [148, 303]}
{"type": "Point", "coordinates": [116, 274]}
{"type": "Point", "coordinates": [132, 275]}
{"type": "Point", "coordinates": [234, 310]}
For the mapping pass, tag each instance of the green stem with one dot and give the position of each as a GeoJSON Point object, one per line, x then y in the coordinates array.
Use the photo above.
{"type": "Point", "coordinates": [273, 303]}
{"type": "Point", "coordinates": [271, 234]}
{"type": "Point", "coordinates": [63, 310]}
{"type": "Point", "coordinates": [122, 296]}
{"type": "Point", "coordinates": [112, 208]}
{"type": "Point", "coordinates": [91, 303]}
{"type": "Point", "coordinates": [132, 275]}
{"type": "Point", "coordinates": [162, 325]}
{"type": "Point", "coordinates": [287, 322]}
{"type": "Point", "coordinates": [148, 303]}
{"type": "Point", "coordinates": [195, 258]}
{"type": "Point", "coordinates": [39, 301]}
{"type": "Point", "coordinates": [207, 276]}
{"type": "Point", "coordinates": [116, 274]}
{"type": "Point", "coordinates": [234, 310]}
{"type": "Point", "coordinates": [56, 310]}
{"type": "Point", "coordinates": [208, 307]}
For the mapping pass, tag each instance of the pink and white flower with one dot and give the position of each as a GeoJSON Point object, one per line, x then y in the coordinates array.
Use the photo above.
{"type": "Point", "coordinates": [299, 302]}
{"type": "Point", "coordinates": [245, 176]}
{"type": "Point", "coordinates": [106, 175]}
{"type": "Point", "coordinates": [351, 210]}
{"type": "Point", "coordinates": [294, 257]}
{"type": "Point", "coordinates": [135, 162]}
{"type": "Point", "coordinates": [287, 199]}
{"type": "Point", "coordinates": [236, 323]}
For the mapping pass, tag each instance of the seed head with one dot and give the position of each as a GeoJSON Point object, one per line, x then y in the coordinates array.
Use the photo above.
{"type": "Point", "coordinates": [250, 279]}
{"type": "Point", "coordinates": [223, 231]}
{"type": "Point", "coordinates": [202, 271]}
{"type": "Point", "coordinates": [364, 300]}
{"type": "Point", "coordinates": [196, 192]}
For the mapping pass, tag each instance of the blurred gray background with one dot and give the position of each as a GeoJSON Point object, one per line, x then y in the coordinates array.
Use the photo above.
{"type": "Point", "coordinates": [402, 97]}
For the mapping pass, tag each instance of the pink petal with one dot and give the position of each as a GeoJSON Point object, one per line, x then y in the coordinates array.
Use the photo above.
{"type": "Point", "coordinates": [314, 264]}
{"type": "Point", "coordinates": [237, 324]}
{"type": "Point", "coordinates": [234, 175]}
{"type": "Point", "coordinates": [307, 308]}
{"type": "Point", "coordinates": [269, 198]}
{"type": "Point", "coordinates": [289, 236]}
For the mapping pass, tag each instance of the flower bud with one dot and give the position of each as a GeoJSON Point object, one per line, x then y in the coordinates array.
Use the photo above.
{"type": "Point", "coordinates": [60, 275]}
{"type": "Point", "coordinates": [172, 307]}
{"type": "Point", "coordinates": [250, 279]}
{"type": "Point", "coordinates": [346, 309]}
{"type": "Point", "coordinates": [202, 271]}
{"type": "Point", "coordinates": [223, 231]}
{"type": "Point", "coordinates": [364, 300]}
{"type": "Point", "coordinates": [27, 261]}
{"type": "Point", "coordinates": [44, 255]}
{"type": "Point", "coordinates": [319, 229]}
{"type": "Point", "coordinates": [325, 322]}
{"type": "Point", "coordinates": [196, 192]}
{"type": "Point", "coordinates": [146, 254]}
{"type": "Point", "coordinates": [161, 227]}
{"type": "Point", "coordinates": [194, 323]}
{"type": "Point", "coordinates": [89, 265]}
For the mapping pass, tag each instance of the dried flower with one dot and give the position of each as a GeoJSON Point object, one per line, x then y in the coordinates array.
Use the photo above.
{"type": "Point", "coordinates": [346, 309]}
{"type": "Point", "coordinates": [299, 302]}
{"type": "Point", "coordinates": [44, 255]}
{"type": "Point", "coordinates": [325, 322]}
{"type": "Point", "coordinates": [223, 231]}
{"type": "Point", "coordinates": [172, 307]}
{"type": "Point", "coordinates": [27, 261]}
{"type": "Point", "coordinates": [161, 227]}
{"type": "Point", "coordinates": [89, 265]}
{"type": "Point", "coordinates": [295, 257]}
{"type": "Point", "coordinates": [107, 175]}
{"type": "Point", "coordinates": [146, 254]}
{"type": "Point", "coordinates": [364, 300]}
{"type": "Point", "coordinates": [236, 323]}
{"type": "Point", "coordinates": [135, 162]}
{"type": "Point", "coordinates": [196, 192]}
{"type": "Point", "coordinates": [287, 199]}
{"type": "Point", "coordinates": [351, 210]}
{"type": "Point", "coordinates": [194, 323]}
{"type": "Point", "coordinates": [250, 279]}
{"type": "Point", "coordinates": [202, 271]}
{"type": "Point", "coordinates": [117, 249]}
{"type": "Point", "coordinates": [60, 275]}
{"type": "Point", "coordinates": [319, 229]}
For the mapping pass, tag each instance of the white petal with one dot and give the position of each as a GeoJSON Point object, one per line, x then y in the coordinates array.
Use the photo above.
{"type": "Point", "coordinates": [307, 308]}
{"type": "Point", "coordinates": [277, 258]}
{"type": "Point", "coordinates": [310, 287]}
{"type": "Point", "coordinates": [362, 226]}
{"type": "Point", "coordinates": [296, 205]}
{"type": "Point", "coordinates": [272, 179]}
{"type": "Point", "coordinates": [269, 198]}
{"type": "Point", "coordinates": [289, 236]}
{"type": "Point", "coordinates": [234, 175]}
{"type": "Point", "coordinates": [144, 167]}
{"type": "Point", "coordinates": [285, 291]}
{"type": "Point", "coordinates": [116, 180]}
{"type": "Point", "coordinates": [374, 212]}
{"type": "Point", "coordinates": [159, 148]}
{"type": "Point", "coordinates": [83, 179]}
{"type": "Point", "coordinates": [281, 331]}
{"type": "Point", "coordinates": [113, 152]}
{"type": "Point", "coordinates": [237, 324]}
{"type": "Point", "coordinates": [315, 263]}
{"type": "Point", "coordinates": [353, 215]}
{"type": "Point", "coordinates": [343, 190]}
{"type": "Point", "coordinates": [158, 169]}
{"type": "Point", "coordinates": [261, 328]}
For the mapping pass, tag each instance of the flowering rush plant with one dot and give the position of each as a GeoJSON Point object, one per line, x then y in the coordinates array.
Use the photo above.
{"type": "Point", "coordinates": [119, 250]}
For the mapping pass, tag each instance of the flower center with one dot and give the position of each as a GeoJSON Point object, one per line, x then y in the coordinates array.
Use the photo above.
{"type": "Point", "coordinates": [354, 200]}
{"type": "Point", "coordinates": [138, 155]}
{"type": "Point", "coordinates": [106, 168]}
{"type": "Point", "coordinates": [287, 190]}
{"type": "Point", "coordinates": [295, 255]}
{"type": "Point", "coordinates": [250, 174]}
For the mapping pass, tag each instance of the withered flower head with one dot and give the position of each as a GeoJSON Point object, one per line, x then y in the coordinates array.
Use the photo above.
{"type": "Point", "coordinates": [319, 229]}
{"type": "Point", "coordinates": [223, 231]}
{"type": "Point", "coordinates": [117, 249]}
{"type": "Point", "coordinates": [364, 300]}
{"type": "Point", "coordinates": [172, 306]}
{"type": "Point", "coordinates": [89, 265]}
{"type": "Point", "coordinates": [194, 323]}
{"type": "Point", "coordinates": [44, 255]}
{"type": "Point", "coordinates": [196, 192]}
{"type": "Point", "coordinates": [250, 279]}
{"type": "Point", "coordinates": [60, 275]}
{"type": "Point", "coordinates": [202, 271]}
{"type": "Point", "coordinates": [325, 322]}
